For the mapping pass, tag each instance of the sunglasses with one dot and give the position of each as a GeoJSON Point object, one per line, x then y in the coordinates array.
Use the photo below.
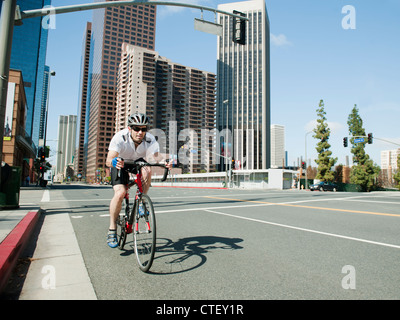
{"type": "Point", "coordinates": [137, 129]}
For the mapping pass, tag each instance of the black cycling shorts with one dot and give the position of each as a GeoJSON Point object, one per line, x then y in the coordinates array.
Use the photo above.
{"type": "Point", "coordinates": [122, 179]}
{"type": "Point", "coordinates": [123, 175]}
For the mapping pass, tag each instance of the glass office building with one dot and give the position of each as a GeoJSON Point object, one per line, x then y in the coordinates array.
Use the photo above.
{"type": "Point", "coordinates": [243, 87]}
{"type": "Point", "coordinates": [28, 54]}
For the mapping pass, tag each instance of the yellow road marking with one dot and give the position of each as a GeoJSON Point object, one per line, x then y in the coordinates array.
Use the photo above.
{"type": "Point", "coordinates": [310, 207]}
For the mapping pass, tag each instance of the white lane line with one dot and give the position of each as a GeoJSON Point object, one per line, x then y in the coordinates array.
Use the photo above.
{"type": "Point", "coordinates": [46, 196]}
{"type": "Point", "coordinates": [308, 230]}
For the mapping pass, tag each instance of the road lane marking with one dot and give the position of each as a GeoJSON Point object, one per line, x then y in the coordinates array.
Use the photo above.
{"type": "Point", "coordinates": [290, 204]}
{"type": "Point", "coordinates": [308, 230]}
{"type": "Point", "coordinates": [211, 208]}
{"type": "Point", "coordinates": [46, 196]}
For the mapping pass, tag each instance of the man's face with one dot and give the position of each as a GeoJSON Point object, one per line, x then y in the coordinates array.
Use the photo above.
{"type": "Point", "coordinates": [138, 133]}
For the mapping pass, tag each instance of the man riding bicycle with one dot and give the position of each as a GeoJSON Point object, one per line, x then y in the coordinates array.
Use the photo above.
{"type": "Point", "coordinates": [133, 143]}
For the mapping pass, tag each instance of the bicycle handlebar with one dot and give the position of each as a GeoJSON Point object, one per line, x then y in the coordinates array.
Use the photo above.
{"type": "Point", "coordinates": [134, 164]}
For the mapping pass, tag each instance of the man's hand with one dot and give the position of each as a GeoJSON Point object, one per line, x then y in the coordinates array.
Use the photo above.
{"type": "Point", "coordinates": [117, 163]}
{"type": "Point", "coordinates": [168, 164]}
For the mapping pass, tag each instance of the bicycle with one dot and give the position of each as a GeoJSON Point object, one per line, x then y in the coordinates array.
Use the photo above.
{"type": "Point", "coordinates": [140, 219]}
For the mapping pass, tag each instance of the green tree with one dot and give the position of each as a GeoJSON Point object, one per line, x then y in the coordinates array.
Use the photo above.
{"type": "Point", "coordinates": [396, 177]}
{"type": "Point", "coordinates": [322, 132]}
{"type": "Point", "coordinates": [364, 171]}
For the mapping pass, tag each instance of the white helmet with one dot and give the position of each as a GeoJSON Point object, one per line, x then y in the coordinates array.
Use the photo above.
{"type": "Point", "coordinates": [138, 119]}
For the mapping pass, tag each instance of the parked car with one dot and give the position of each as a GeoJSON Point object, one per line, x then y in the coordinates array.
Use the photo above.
{"type": "Point", "coordinates": [324, 186]}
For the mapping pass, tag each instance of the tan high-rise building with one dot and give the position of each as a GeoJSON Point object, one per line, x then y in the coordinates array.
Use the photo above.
{"type": "Point", "coordinates": [179, 100]}
{"type": "Point", "coordinates": [110, 28]}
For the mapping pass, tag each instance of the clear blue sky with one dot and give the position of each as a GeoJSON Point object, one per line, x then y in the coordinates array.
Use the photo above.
{"type": "Point", "coordinates": [312, 57]}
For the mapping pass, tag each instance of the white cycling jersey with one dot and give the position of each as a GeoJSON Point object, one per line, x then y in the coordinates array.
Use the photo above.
{"type": "Point", "coordinates": [123, 144]}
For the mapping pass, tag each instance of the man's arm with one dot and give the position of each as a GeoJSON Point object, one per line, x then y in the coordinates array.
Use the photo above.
{"type": "Point", "coordinates": [110, 156]}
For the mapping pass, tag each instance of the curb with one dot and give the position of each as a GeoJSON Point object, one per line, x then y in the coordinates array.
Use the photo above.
{"type": "Point", "coordinates": [14, 244]}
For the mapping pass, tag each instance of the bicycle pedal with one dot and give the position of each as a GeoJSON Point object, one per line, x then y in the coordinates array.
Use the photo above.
{"type": "Point", "coordinates": [128, 228]}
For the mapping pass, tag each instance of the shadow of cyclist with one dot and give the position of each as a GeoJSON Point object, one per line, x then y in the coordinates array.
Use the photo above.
{"type": "Point", "coordinates": [188, 253]}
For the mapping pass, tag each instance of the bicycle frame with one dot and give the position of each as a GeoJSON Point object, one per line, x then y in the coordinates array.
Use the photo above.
{"type": "Point", "coordinates": [130, 214]}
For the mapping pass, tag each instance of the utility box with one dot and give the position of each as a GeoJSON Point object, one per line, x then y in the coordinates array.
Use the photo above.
{"type": "Point", "coordinates": [10, 187]}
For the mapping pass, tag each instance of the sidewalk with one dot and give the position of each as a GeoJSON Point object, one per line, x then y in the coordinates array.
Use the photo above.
{"type": "Point", "coordinates": [57, 270]}
{"type": "Point", "coordinates": [16, 227]}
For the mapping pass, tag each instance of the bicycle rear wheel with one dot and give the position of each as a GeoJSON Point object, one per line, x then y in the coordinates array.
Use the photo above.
{"type": "Point", "coordinates": [145, 232]}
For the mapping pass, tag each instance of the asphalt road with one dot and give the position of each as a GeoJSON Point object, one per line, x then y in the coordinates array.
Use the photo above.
{"type": "Point", "coordinates": [245, 244]}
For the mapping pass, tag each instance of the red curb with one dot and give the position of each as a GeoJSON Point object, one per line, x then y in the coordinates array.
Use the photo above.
{"type": "Point", "coordinates": [13, 245]}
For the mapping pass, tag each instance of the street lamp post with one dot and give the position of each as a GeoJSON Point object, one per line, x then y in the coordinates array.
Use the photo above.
{"type": "Point", "coordinates": [305, 161]}
{"type": "Point", "coordinates": [227, 158]}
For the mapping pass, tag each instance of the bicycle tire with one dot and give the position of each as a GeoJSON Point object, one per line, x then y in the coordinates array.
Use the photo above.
{"type": "Point", "coordinates": [144, 233]}
{"type": "Point", "coordinates": [121, 231]}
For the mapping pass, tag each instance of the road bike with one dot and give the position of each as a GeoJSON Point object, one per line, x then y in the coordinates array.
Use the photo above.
{"type": "Point", "coordinates": [139, 217]}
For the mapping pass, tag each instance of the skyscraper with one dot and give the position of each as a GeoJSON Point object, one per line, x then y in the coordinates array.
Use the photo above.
{"type": "Point", "coordinates": [81, 148]}
{"type": "Point", "coordinates": [175, 97]}
{"type": "Point", "coordinates": [28, 54]}
{"type": "Point", "coordinates": [110, 28]}
{"type": "Point", "coordinates": [277, 146]}
{"type": "Point", "coordinates": [66, 142]}
{"type": "Point", "coordinates": [43, 106]}
{"type": "Point", "coordinates": [243, 85]}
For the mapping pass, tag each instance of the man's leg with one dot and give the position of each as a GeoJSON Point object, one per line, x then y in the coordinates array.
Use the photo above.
{"type": "Point", "coordinates": [146, 179]}
{"type": "Point", "coordinates": [116, 204]}
{"type": "Point", "coordinates": [115, 208]}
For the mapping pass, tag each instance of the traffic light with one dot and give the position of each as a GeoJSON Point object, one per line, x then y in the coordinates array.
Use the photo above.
{"type": "Point", "coordinates": [239, 28]}
{"type": "Point", "coordinates": [303, 165]}
{"type": "Point", "coordinates": [41, 154]}
{"type": "Point", "coordinates": [345, 142]}
{"type": "Point", "coordinates": [370, 138]}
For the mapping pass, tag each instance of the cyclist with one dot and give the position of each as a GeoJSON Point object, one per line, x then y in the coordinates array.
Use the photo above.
{"type": "Point", "coordinates": [134, 143]}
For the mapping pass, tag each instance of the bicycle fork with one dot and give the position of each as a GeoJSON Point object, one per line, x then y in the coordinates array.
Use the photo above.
{"type": "Point", "coordinates": [141, 215]}
{"type": "Point", "coordinates": [128, 226]}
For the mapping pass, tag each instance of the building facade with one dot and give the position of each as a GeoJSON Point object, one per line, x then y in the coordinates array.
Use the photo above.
{"type": "Point", "coordinates": [110, 28]}
{"type": "Point", "coordinates": [66, 143]}
{"type": "Point", "coordinates": [81, 147]}
{"type": "Point", "coordinates": [389, 159]}
{"type": "Point", "coordinates": [243, 92]}
{"type": "Point", "coordinates": [17, 145]}
{"type": "Point", "coordinates": [179, 101]}
{"type": "Point", "coordinates": [28, 54]}
{"type": "Point", "coordinates": [278, 146]}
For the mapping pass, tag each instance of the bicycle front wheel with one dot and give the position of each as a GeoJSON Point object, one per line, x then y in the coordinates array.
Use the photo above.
{"type": "Point", "coordinates": [145, 232]}
{"type": "Point", "coordinates": [121, 231]}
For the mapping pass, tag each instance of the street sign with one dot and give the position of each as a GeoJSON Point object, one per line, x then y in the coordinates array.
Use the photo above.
{"type": "Point", "coordinates": [358, 140]}
{"type": "Point", "coordinates": [207, 26]}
